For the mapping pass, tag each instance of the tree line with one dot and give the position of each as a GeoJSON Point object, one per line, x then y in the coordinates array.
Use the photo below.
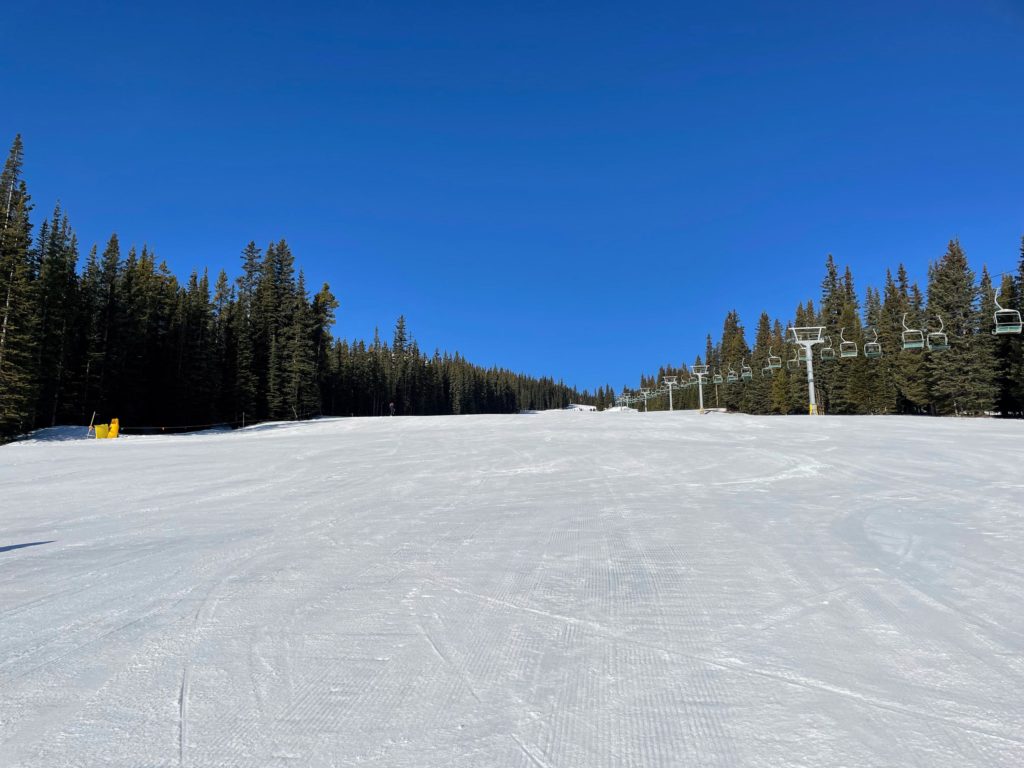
{"type": "Point", "coordinates": [122, 336]}
{"type": "Point", "coordinates": [980, 373]}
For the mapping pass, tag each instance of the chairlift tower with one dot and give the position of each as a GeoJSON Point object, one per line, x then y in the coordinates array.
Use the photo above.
{"type": "Point", "coordinates": [807, 336]}
{"type": "Point", "coordinates": [645, 393]}
{"type": "Point", "coordinates": [700, 371]}
{"type": "Point", "coordinates": [670, 382]}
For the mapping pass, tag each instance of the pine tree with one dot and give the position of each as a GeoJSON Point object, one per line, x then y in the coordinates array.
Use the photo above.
{"type": "Point", "coordinates": [851, 386]}
{"type": "Point", "coordinates": [880, 390]}
{"type": "Point", "coordinates": [246, 383]}
{"type": "Point", "coordinates": [909, 371]}
{"type": "Point", "coordinates": [324, 306]}
{"type": "Point", "coordinates": [57, 301]}
{"type": "Point", "coordinates": [987, 366]}
{"type": "Point", "coordinates": [300, 369]}
{"type": "Point", "coordinates": [781, 398]}
{"type": "Point", "coordinates": [734, 351]}
{"type": "Point", "coordinates": [1013, 295]}
{"type": "Point", "coordinates": [832, 317]}
{"type": "Point", "coordinates": [18, 319]}
{"type": "Point", "coordinates": [758, 391]}
{"type": "Point", "coordinates": [954, 382]}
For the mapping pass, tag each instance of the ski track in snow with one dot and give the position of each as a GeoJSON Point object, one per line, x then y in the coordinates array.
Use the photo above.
{"type": "Point", "coordinates": [543, 591]}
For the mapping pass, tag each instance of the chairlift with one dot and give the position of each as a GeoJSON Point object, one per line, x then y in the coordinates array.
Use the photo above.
{"type": "Point", "coordinates": [872, 349]}
{"type": "Point", "coordinates": [793, 363]}
{"type": "Point", "coordinates": [1007, 320]}
{"type": "Point", "coordinates": [717, 378]}
{"type": "Point", "coordinates": [827, 352]}
{"type": "Point", "coordinates": [746, 374]}
{"type": "Point", "coordinates": [938, 340]}
{"type": "Point", "coordinates": [801, 354]}
{"type": "Point", "coordinates": [731, 377]}
{"type": "Point", "coordinates": [774, 361]}
{"type": "Point", "coordinates": [912, 337]}
{"type": "Point", "coordinates": [846, 348]}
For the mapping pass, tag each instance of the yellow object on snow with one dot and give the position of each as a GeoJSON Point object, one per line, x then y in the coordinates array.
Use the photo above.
{"type": "Point", "coordinates": [107, 430]}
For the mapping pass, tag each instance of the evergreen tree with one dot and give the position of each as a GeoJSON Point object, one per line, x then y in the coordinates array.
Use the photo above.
{"type": "Point", "coordinates": [758, 391]}
{"type": "Point", "coordinates": [988, 366]}
{"type": "Point", "coordinates": [324, 307]}
{"type": "Point", "coordinates": [245, 332]}
{"type": "Point", "coordinates": [850, 392]}
{"type": "Point", "coordinates": [17, 299]}
{"type": "Point", "coordinates": [1013, 349]}
{"type": "Point", "coordinates": [734, 351]}
{"type": "Point", "coordinates": [880, 390]}
{"type": "Point", "coordinates": [303, 394]}
{"type": "Point", "coordinates": [57, 303]}
{"type": "Point", "coordinates": [955, 382]}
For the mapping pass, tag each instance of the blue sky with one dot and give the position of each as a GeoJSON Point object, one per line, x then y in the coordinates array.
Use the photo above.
{"type": "Point", "coordinates": [575, 189]}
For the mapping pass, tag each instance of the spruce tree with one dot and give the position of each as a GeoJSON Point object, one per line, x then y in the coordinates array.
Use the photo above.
{"type": "Point", "coordinates": [246, 381]}
{"type": "Point", "coordinates": [880, 390]}
{"type": "Point", "coordinates": [18, 317]}
{"type": "Point", "coordinates": [324, 307]}
{"type": "Point", "coordinates": [57, 302]}
{"type": "Point", "coordinates": [851, 386]}
{"type": "Point", "coordinates": [1015, 354]}
{"type": "Point", "coordinates": [300, 369]}
{"type": "Point", "coordinates": [758, 391]}
{"type": "Point", "coordinates": [987, 365]}
{"type": "Point", "coordinates": [955, 383]}
{"type": "Point", "coordinates": [910, 375]}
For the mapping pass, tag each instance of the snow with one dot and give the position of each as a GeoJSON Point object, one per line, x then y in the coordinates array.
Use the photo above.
{"type": "Point", "coordinates": [538, 591]}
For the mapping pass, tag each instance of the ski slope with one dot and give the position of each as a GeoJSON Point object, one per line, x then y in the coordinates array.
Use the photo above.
{"type": "Point", "coordinates": [540, 591]}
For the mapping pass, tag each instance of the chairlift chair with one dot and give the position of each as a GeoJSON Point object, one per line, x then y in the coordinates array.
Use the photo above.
{"type": "Point", "coordinates": [1007, 321]}
{"type": "Point", "coordinates": [801, 354]}
{"type": "Point", "coordinates": [732, 377]}
{"type": "Point", "coordinates": [717, 378]}
{"type": "Point", "coordinates": [774, 361]}
{"type": "Point", "coordinates": [912, 337]}
{"type": "Point", "coordinates": [938, 340]}
{"type": "Point", "coordinates": [746, 374]}
{"type": "Point", "coordinates": [872, 349]}
{"type": "Point", "coordinates": [828, 352]}
{"type": "Point", "coordinates": [846, 348]}
{"type": "Point", "coordinates": [793, 363]}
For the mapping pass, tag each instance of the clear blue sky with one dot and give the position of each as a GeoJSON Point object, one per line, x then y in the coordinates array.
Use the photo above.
{"type": "Point", "coordinates": [575, 189]}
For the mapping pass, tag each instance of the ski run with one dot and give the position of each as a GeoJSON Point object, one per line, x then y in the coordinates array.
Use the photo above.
{"type": "Point", "coordinates": [592, 590]}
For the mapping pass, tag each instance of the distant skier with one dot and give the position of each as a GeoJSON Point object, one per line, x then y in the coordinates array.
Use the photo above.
{"type": "Point", "coordinates": [392, 407]}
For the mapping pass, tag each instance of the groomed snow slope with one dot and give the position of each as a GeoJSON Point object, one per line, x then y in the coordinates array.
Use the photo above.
{"type": "Point", "coordinates": [553, 590]}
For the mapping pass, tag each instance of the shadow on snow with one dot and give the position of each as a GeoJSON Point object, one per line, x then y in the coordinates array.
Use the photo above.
{"type": "Point", "coordinates": [9, 547]}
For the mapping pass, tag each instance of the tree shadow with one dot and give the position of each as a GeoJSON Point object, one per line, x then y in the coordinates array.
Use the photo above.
{"type": "Point", "coordinates": [9, 547]}
{"type": "Point", "coordinates": [55, 435]}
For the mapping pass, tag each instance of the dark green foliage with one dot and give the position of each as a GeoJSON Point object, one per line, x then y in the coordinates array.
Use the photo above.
{"type": "Point", "coordinates": [19, 268]}
{"type": "Point", "coordinates": [960, 379]}
{"type": "Point", "coordinates": [124, 338]}
{"type": "Point", "coordinates": [979, 373]}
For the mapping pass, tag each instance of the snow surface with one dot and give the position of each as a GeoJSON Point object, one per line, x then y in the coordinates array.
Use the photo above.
{"type": "Point", "coordinates": [538, 591]}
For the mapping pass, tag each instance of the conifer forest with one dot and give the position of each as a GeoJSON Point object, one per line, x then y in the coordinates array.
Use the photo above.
{"type": "Point", "coordinates": [979, 373]}
{"type": "Point", "coordinates": [120, 335]}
